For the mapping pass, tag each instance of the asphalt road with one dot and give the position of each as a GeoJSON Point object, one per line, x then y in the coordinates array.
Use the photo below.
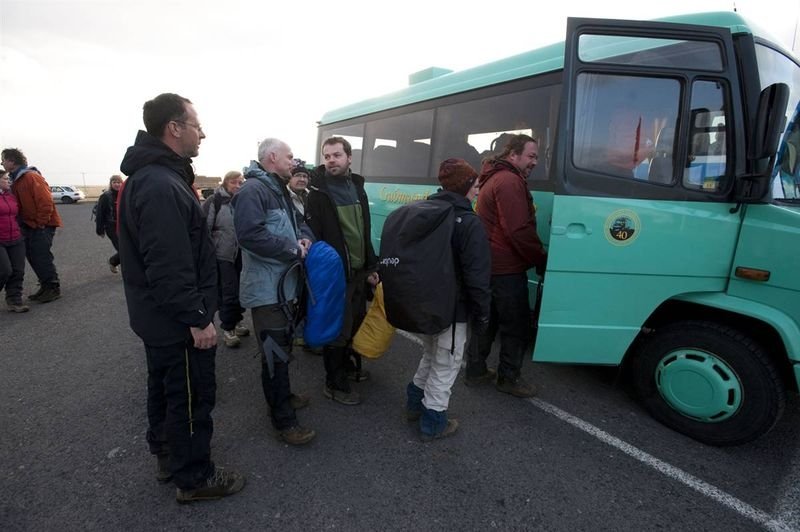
{"type": "Point", "coordinates": [581, 456]}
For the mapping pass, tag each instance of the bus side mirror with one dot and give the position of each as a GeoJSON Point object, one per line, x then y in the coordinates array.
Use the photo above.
{"type": "Point", "coordinates": [769, 124]}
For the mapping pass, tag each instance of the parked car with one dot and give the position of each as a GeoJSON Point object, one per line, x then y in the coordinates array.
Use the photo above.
{"type": "Point", "coordinates": [66, 193]}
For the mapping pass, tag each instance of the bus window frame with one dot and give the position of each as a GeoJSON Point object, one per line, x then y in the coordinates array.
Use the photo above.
{"type": "Point", "coordinates": [572, 180]}
{"type": "Point", "coordinates": [549, 79]}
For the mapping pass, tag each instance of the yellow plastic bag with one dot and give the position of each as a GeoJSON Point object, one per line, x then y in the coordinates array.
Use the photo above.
{"type": "Point", "coordinates": [375, 334]}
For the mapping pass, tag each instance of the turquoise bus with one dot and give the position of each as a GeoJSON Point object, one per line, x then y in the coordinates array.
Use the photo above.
{"type": "Point", "coordinates": [667, 195]}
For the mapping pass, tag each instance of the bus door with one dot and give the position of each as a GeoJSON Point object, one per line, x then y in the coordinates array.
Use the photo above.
{"type": "Point", "coordinates": [650, 139]}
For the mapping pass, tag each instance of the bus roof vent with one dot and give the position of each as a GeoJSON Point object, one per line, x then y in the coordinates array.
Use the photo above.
{"type": "Point", "coordinates": [427, 74]}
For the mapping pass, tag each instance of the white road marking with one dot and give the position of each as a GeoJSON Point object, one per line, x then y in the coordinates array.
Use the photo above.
{"type": "Point", "coordinates": [777, 524]}
{"type": "Point", "coordinates": [788, 509]}
{"type": "Point", "coordinates": [786, 520]}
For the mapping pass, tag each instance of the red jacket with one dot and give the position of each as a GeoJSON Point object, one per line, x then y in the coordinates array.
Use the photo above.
{"type": "Point", "coordinates": [36, 205]}
{"type": "Point", "coordinates": [9, 209]}
{"type": "Point", "coordinates": [509, 217]}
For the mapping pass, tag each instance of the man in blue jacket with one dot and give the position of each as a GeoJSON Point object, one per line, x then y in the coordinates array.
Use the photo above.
{"type": "Point", "coordinates": [272, 239]}
{"type": "Point", "coordinates": [170, 278]}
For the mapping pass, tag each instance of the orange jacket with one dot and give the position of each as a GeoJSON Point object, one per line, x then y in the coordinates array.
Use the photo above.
{"type": "Point", "coordinates": [36, 207]}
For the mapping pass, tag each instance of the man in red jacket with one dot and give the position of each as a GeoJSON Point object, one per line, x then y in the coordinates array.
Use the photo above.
{"type": "Point", "coordinates": [39, 218]}
{"type": "Point", "coordinates": [508, 215]}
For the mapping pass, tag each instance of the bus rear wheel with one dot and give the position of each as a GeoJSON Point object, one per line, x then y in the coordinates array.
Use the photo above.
{"type": "Point", "coordinates": [708, 381]}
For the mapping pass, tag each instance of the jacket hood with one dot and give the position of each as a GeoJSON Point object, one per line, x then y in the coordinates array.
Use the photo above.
{"type": "Point", "coordinates": [256, 171]}
{"type": "Point", "coordinates": [458, 201]}
{"type": "Point", "coordinates": [494, 166]}
{"type": "Point", "coordinates": [22, 170]}
{"type": "Point", "coordinates": [147, 150]}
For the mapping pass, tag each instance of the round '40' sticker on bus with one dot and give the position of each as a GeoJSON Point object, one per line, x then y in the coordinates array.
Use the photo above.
{"type": "Point", "coordinates": [622, 227]}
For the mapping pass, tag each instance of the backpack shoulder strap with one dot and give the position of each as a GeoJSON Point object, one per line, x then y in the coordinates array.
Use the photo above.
{"type": "Point", "coordinates": [217, 204]}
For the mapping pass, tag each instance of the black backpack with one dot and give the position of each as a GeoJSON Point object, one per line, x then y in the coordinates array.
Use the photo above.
{"type": "Point", "coordinates": [417, 269]}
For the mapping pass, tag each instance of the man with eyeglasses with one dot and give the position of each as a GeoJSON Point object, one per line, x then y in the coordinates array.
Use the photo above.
{"type": "Point", "coordinates": [170, 276]}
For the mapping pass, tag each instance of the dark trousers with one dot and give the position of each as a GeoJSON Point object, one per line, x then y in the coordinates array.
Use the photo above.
{"type": "Point", "coordinates": [270, 321]}
{"type": "Point", "coordinates": [230, 311]}
{"type": "Point", "coordinates": [111, 232]}
{"type": "Point", "coordinates": [37, 248]}
{"type": "Point", "coordinates": [338, 356]}
{"type": "Point", "coordinates": [511, 317]}
{"type": "Point", "coordinates": [12, 270]}
{"type": "Point", "coordinates": [181, 392]}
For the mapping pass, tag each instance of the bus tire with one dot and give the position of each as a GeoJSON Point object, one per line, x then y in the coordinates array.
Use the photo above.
{"type": "Point", "coordinates": [708, 381]}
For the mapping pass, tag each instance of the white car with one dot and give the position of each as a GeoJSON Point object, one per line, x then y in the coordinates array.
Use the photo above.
{"type": "Point", "coordinates": [66, 193]}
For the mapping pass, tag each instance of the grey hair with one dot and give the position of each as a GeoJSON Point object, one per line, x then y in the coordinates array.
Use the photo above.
{"type": "Point", "coordinates": [267, 146]}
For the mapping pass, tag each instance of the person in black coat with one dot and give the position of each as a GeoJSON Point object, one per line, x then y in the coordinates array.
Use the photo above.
{"type": "Point", "coordinates": [428, 393]}
{"type": "Point", "coordinates": [337, 211]}
{"type": "Point", "coordinates": [106, 219]}
{"type": "Point", "coordinates": [170, 279]}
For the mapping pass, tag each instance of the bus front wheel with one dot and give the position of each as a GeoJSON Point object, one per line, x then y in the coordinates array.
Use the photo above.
{"type": "Point", "coordinates": [708, 381]}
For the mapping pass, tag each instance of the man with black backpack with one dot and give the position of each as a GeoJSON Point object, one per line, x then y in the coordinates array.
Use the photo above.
{"type": "Point", "coordinates": [437, 241]}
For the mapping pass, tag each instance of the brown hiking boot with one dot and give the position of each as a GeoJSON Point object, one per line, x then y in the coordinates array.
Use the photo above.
{"type": "Point", "coordinates": [17, 307]}
{"type": "Point", "coordinates": [297, 435]}
{"type": "Point", "coordinates": [220, 484]}
{"type": "Point", "coordinates": [163, 474]}
{"type": "Point", "coordinates": [230, 338]}
{"type": "Point", "coordinates": [51, 293]}
{"type": "Point", "coordinates": [449, 430]}
{"type": "Point", "coordinates": [489, 376]}
{"type": "Point", "coordinates": [350, 398]}
{"type": "Point", "coordinates": [35, 296]}
{"type": "Point", "coordinates": [241, 329]}
{"type": "Point", "coordinates": [516, 387]}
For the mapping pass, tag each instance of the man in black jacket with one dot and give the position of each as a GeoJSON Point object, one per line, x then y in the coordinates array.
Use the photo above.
{"type": "Point", "coordinates": [428, 393]}
{"type": "Point", "coordinates": [106, 218]}
{"type": "Point", "coordinates": [170, 278]}
{"type": "Point", "coordinates": [338, 213]}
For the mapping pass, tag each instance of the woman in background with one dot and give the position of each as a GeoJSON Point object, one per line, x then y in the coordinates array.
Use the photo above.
{"type": "Point", "coordinates": [219, 218]}
{"type": "Point", "coordinates": [106, 220]}
{"type": "Point", "coordinates": [12, 248]}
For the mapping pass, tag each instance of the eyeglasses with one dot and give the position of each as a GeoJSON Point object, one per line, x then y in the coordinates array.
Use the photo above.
{"type": "Point", "coordinates": [198, 127]}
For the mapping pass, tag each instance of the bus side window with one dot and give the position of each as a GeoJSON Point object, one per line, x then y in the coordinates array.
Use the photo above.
{"type": "Point", "coordinates": [624, 126]}
{"type": "Point", "coordinates": [398, 146]}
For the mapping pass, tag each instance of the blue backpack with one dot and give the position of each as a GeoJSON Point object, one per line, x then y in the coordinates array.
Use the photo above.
{"type": "Point", "coordinates": [326, 295]}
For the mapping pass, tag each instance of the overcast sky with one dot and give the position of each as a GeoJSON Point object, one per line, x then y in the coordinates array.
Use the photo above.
{"type": "Point", "coordinates": [74, 74]}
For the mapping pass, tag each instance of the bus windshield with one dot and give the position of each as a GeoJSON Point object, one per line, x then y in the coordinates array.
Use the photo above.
{"type": "Point", "coordinates": [774, 67]}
